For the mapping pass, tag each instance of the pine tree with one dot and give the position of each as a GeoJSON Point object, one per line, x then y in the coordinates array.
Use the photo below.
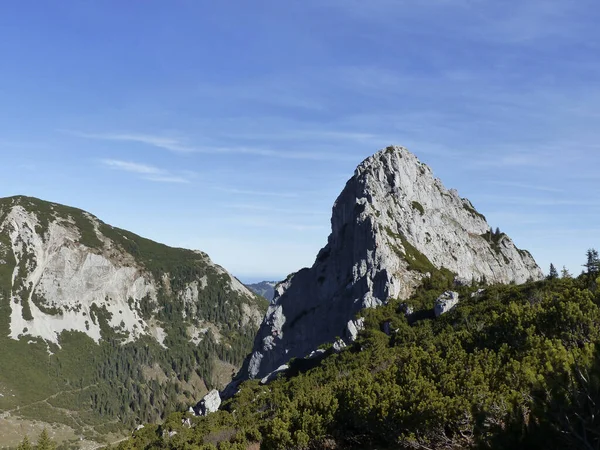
{"type": "Point", "coordinates": [564, 273]}
{"type": "Point", "coordinates": [44, 442]}
{"type": "Point", "coordinates": [593, 262]}
{"type": "Point", "coordinates": [25, 444]}
{"type": "Point", "coordinates": [553, 274]}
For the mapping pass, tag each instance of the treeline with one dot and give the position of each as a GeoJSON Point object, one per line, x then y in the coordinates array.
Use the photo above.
{"type": "Point", "coordinates": [512, 367]}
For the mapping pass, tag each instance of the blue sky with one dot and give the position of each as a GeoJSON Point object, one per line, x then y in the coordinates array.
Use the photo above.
{"type": "Point", "coordinates": [232, 126]}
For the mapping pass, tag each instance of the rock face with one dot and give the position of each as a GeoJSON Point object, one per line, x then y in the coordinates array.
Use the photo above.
{"type": "Point", "coordinates": [64, 268]}
{"type": "Point", "coordinates": [209, 404]}
{"type": "Point", "coordinates": [391, 225]}
{"type": "Point", "coordinates": [445, 303]}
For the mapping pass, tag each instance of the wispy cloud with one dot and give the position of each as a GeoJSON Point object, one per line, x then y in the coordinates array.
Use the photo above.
{"type": "Point", "coordinates": [129, 166]}
{"type": "Point", "coordinates": [167, 179]}
{"type": "Point", "coordinates": [177, 146]}
{"type": "Point", "coordinates": [147, 172]}
{"type": "Point", "coordinates": [171, 144]}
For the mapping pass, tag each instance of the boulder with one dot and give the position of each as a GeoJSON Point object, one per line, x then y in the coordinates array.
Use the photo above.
{"type": "Point", "coordinates": [210, 403]}
{"type": "Point", "coordinates": [445, 303]}
{"type": "Point", "coordinates": [339, 345]}
{"type": "Point", "coordinates": [354, 327]}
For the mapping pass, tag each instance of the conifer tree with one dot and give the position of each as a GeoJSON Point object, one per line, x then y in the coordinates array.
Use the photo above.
{"type": "Point", "coordinates": [593, 262]}
{"type": "Point", "coordinates": [25, 444]}
{"type": "Point", "coordinates": [44, 442]}
{"type": "Point", "coordinates": [553, 274]}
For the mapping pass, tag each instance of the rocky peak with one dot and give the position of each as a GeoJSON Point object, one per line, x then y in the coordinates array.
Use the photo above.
{"type": "Point", "coordinates": [393, 224]}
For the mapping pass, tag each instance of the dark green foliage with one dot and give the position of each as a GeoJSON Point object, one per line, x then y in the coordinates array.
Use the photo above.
{"type": "Point", "coordinates": [416, 205]}
{"type": "Point", "coordinates": [44, 442]}
{"type": "Point", "coordinates": [553, 273]}
{"type": "Point", "coordinates": [494, 239]}
{"type": "Point", "coordinates": [42, 305]}
{"type": "Point", "coordinates": [593, 262]}
{"type": "Point", "coordinates": [25, 444]}
{"type": "Point", "coordinates": [515, 367]}
{"type": "Point", "coordinates": [184, 266]}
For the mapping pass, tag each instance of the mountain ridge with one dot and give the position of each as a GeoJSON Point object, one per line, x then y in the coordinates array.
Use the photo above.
{"type": "Point", "coordinates": [103, 307]}
{"type": "Point", "coordinates": [394, 227]}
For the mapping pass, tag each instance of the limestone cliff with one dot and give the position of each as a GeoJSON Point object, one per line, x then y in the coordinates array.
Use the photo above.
{"type": "Point", "coordinates": [99, 325]}
{"type": "Point", "coordinates": [393, 223]}
{"type": "Point", "coordinates": [63, 264]}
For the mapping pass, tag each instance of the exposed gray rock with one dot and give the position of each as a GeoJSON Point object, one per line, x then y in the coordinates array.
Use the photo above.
{"type": "Point", "coordinates": [209, 404]}
{"type": "Point", "coordinates": [270, 377]}
{"type": "Point", "coordinates": [478, 293]}
{"type": "Point", "coordinates": [458, 281]}
{"type": "Point", "coordinates": [445, 303]}
{"type": "Point", "coordinates": [354, 327]}
{"type": "Point", "coordinates": [318, 353]}
{"type": "Point", "coordinates": [393, 223]}
{"type": "Point", "coordinates": [338, 346]}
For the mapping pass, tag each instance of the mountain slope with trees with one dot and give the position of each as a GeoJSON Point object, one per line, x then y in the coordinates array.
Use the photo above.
{"type": "Point", "coordinates": [509, 367]}
{"type": "Point", "coordinates": [101, 329]}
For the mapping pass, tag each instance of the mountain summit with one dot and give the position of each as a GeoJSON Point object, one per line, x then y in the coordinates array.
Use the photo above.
{"type": "Point", "coordinates": [393, 226]}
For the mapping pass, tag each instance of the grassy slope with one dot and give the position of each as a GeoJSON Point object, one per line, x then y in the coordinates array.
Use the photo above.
{"type": "Point", "coordinates": [100, 388]}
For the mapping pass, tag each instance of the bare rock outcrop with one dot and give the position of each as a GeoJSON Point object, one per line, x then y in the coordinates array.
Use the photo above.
{"type": "Point", "coordinates": [393, 223]}
{"type": "Point", "coordinates": [209, 404]}
{"type": "Point", "coordinates": [445, 303]}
